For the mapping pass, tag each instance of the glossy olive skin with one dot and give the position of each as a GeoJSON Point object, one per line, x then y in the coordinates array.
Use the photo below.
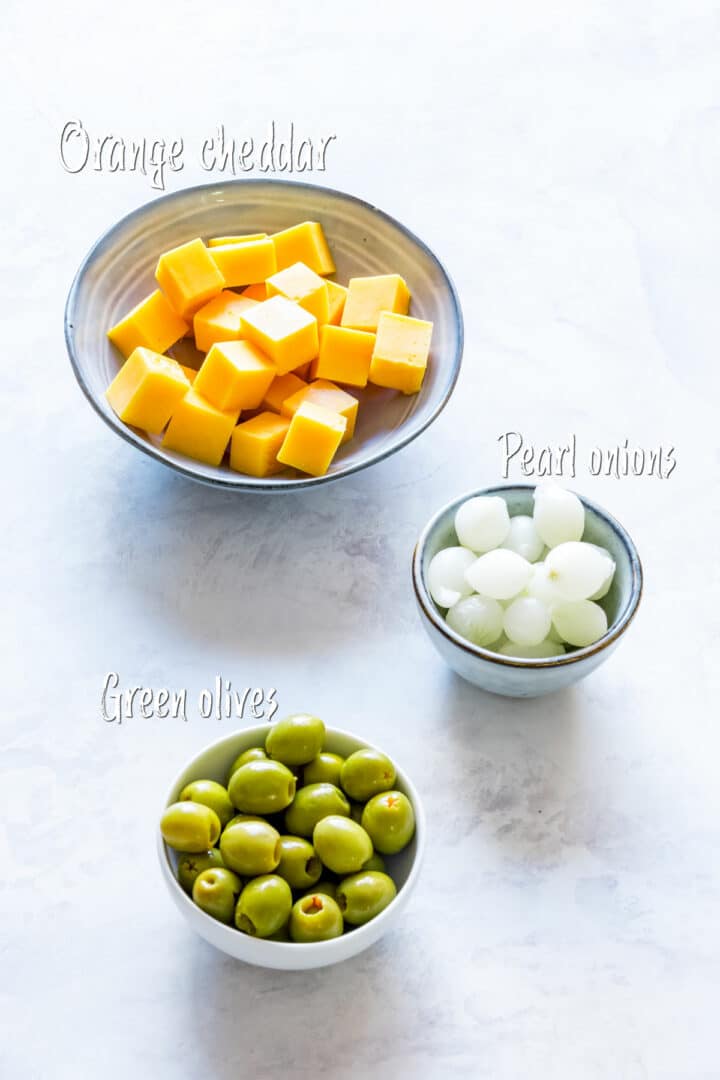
{"type": "Point", "coordinates": [366, 773]}
{"type": "Point", "coordinates": [362, 896]}
{"type": "Point", "coordinates": [389, 820]}
{"type": "Point", "coordinates": [264, 906]}
{"type": "Point", "coordinates": [244, 817]}
{"type": "Point", "coordinates": [283, 934]}
{"type": "Point", "coordinates": [261, 787]}
{"type": "Point", "coordinates": [342, 844]}
{"type": "Point", "coordinates": [327, 888]}
{"type": "Point", "coordinates": [190, 865]}
{"type": "Point", "coordinates": [296, 740]}
{"type": "Point", "coordinates": [250, 847]}
{"type": "Point", "coordinates": [190, 826]}
{"type": "Point", "coordinates": [311, 804]}
{"type": "Point", "coordinates": [255, 753]}
{"type": "Point", "coordinates": [212, 794]}
{"type": "Point", "coordinates": [299, 864]}
{"type": "Point", "coordinates": [315, 917]}
{"type": "Point", "coordinates": [324, 769]}
{"type": "Point", "coordinates": [216, 891]}
{"type": "Point", "coordinates": [375, 862]}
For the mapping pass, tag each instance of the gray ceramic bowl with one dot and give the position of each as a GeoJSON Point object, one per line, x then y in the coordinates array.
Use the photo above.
{"type": "Point", "coordinates": [118, 272]}
{"type": "Point", "coordinates": [528, 678]}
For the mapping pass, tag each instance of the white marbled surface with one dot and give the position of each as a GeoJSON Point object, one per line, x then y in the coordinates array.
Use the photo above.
{"type": "Point", "coordinates": [564, 160]}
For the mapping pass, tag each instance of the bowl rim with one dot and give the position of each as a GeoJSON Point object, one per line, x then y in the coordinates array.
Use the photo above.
{"type": "Point", "coordinates": [279, 948]}
{"type": "Point", "coordinates": [614, 631]}
{"type": "Point", "coordinates": [239, 482]}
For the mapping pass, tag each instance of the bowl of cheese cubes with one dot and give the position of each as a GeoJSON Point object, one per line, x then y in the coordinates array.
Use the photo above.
{"type": "Point", "coordinates": [524, 591]}
{"type": "Point", "coordinates": [264, 334]}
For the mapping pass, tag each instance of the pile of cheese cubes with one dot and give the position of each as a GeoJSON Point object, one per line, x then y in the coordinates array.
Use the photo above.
{"type": "Point", "coordinates": [275, 352]}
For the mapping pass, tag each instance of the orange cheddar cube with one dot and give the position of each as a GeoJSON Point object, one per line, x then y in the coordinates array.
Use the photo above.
{"type": "Point", "coordinates": [304, 243]}
{"type": "Point", "coordinates": [255, 444]}
{"type": "Point", "coordinates": [301, 284]}
{"type": "Point", "coordinates": [283, 330]}
{"type": "Point", "coordinates": [245, 263]}
{"type": "Point", "coordinates": [146, 390]}
{"type": "Point", "coordinates": [368, 296]}
{"type": "Point", "coordinates": [329, 396]}
{"type": "Point", "coordinates": [235, 375]}
{"type": "Point", "coordinates": [344, 355]}
{"type": "Point", "coordinates": [281, 388]}
{"type": "Point", "coordinates": [189, 277]}
{"type": "Point", "coordinates": [219, 319]}
{"type": "Point", "coordinates": [200, 430]}
{"type": "Point", "coordinates": [258, 291]}
{"type": "Point", "coordinates": [400, 357]}
{"type": "Point", "coordinates": [152, 324]}
{"type": "Point", "coordinates": [303, 371]}
{"type": "Point", "coordinates": [189, 373]}
{"type": "Point", "coordinates": [337, 294]}
{"type": "Point", "coordinates": [313, 438]}
{"type": "Point", "coordinates": [222, 241]}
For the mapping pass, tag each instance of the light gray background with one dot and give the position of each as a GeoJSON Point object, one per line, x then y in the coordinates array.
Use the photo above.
{"type": "Point", "coordinates": [563, 159]}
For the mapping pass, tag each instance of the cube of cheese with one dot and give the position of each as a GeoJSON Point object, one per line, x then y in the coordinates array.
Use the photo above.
{"type": "Point", "coordinates": [368, 296]}
{"type": "Point", "coordinates": [304, 243]}
{"type": "Point", "coordinates": [301, 284]}
{"type": "Point", "coordinates": [219, 319]}
{"type": "Point", "coordinates": [283, 330]}
{"type": "Point", "coordinates": [281, 388]}
{"type": "Point", "coordinates": [189, 277]}
{"type": "Point", "coordinates": [255, 444]}
{"type": "Point", "coordinates": [147, 389]}
{"type": "Point", "coordinates": [344, 355]}
{"type": "Point", "coordinates": [258, 291]}
{"type": "Point", "coordinates": [222, 241]}
{"type": "Point", "coordinates": [152, 324]}
{"type": "Point", "coordinates": [245, 263]}
{"type": "Point", "coordinates": [190, 373]}
{"type": "Point", "coordinates": [337, 294]}
{"type": "Point", "coordinates": [312, 439]}
{"type": "Point", "coordinates": [329, 396]}
{"type": "Point", "coordinates": [235, 375]}
{"type": "Point", "coordinates": [400, 357]}
{"type": "Point", "coordinates": [200, 430]}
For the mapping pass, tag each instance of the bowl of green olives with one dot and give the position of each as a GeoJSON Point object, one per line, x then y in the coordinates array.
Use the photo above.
{"type": "Point", "coordinates": [291, 846]}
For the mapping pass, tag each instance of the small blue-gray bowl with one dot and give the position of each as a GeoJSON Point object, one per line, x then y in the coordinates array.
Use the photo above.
{"type": "Point", "coordinates": [118, 272]}
{"type": "Point", "coordinates": [510, 676]}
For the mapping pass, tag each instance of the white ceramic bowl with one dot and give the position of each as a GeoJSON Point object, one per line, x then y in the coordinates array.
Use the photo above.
{"type": "Point", "coordinates": [213, 763]}
{"type": "Point", "coordinates": [118, 272]}
{"type": "Point", "coordinates": [511, 676]}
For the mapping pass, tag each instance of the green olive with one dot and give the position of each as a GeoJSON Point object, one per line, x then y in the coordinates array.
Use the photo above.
{"type": "Point", "coordinates": [324, 769]}
{"type": "Point", "coordinates": [190, 826]}
{"type": "Point", "coordinates": [244, 817]}
{"type": "Point", "coordinates": [315, 917]}
{"type": "Point", "coordinates": [250, 847]}
{"type": "Point", "coordinates": [212, 794]}
{"type": "Point", "coordinates": [389, 821]}
{"type": "Point", "coordinates": [311, 804]}
{"type": "Point", "coordinates": [366, 773]}
{"type": "Point", "coordinates": [375, 862]}
{"type": "Point", "coordinates": [328, 888]}
{"type": "Point", "coordinates": [255, 753]}
{"type": "Point", "coordinates": [342, 844]}
{"type": "Point", "coordinates": [362, 896]}
{"type": "Point", "coordinates": [299, 864]}
{"type": "Point", "coordinates": [190, 864]}
{"type": "Point", "coordinates": [216, 892]}
{"type": "Point", "coordinates": [261, 787]}
{"type": "Point", "coordinates": [264, 906]}
{"type": "Point", "coordinates": [296, 740]}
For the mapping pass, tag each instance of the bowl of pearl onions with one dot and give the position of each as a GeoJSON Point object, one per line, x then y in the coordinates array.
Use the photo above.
{"type": "Point", "coordinates": [524, 590]}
